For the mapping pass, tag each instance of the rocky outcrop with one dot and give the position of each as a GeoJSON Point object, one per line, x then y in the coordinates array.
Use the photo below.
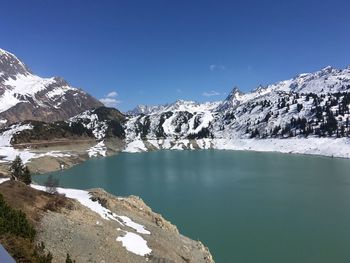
{"type": "Point", "coordinates": [67, 226]}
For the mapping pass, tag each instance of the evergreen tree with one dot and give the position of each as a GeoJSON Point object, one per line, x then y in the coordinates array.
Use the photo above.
{"type": "Point", "coordinates": [14, 221]}
{"type": "Point", "coordinates": [299, 107]}
{"type": "Point", "coordinates": [20, 172]}
{"type": "Point", "coordinates": [68, 259]}
{"type": "Point", "coordinates": [26, 176]}
{"type": "Point", "coordinates": [16, 168]}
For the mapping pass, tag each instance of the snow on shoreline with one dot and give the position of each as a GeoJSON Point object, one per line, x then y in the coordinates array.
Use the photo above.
{"type": "Point", "coordinates": [332, 147]}
{"type": "Point", "coordinates": [131, 241]}
{"type": "Point", "coordinates": [99, 149]}
{"type": "Point", "coordinates": [135, 146]}
{"type": "Point", "coordinates": [8, 152]}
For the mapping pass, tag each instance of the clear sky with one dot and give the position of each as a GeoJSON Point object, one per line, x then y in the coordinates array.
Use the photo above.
{"type": "Point", "coordinates": [157, 51]}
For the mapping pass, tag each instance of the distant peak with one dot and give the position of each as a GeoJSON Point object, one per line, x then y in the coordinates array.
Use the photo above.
{"type": "Point", "coordinates": [2, 52]}
{"type": "Point", "coordinates": [235, 91]}
{"type": "Point", "coordinates": [234, 94]}
{"type": "Point", "coordinates": [327, 68]}
{"type": "Point", "coordinates": [182, 101]}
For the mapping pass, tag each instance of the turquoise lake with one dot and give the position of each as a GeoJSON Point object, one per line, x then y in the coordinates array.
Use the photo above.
{"type": "Point", "coordinates": [247, 207]}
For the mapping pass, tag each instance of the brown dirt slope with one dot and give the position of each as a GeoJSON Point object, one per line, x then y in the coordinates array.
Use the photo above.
{"type": "Point", "coordinates": [66, 226]}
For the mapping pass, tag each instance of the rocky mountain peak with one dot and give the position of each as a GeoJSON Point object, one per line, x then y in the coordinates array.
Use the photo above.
{"type": "Point", "coordinates": [235, 93]}
{"type": "Point", "coordinates": [327, 69]}
{"type": "Point", "coordinates": [10, 65]}
{"type": "Point", "coordinates": [26, 96]}
{"type": "Point", "coordinates": [232, 99]}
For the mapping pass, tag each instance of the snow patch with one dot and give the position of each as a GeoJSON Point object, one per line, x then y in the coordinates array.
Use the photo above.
{"type": "Point", "coordinates": [332, 147]}
{"type": "Point", "coordinates": [131, 241]}
{"type": "Point", "coordinates": [7, 152]}
{"type": "Point", "coordinates": [58, 92]}
{"type": "Point", "coordinates": [99, 149]}
{"type": "Point", "coordinates": [135, 244]}
{"type": "Point", "coordinates": [139, 228]}
{"type": "Point", "coordinates": [135, 146]}
{"type": "Point", "coordinates": [2, 180]}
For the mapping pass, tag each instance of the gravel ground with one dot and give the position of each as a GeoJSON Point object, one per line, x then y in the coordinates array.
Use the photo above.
{"type": "Point", "coordinates": [89, 238]}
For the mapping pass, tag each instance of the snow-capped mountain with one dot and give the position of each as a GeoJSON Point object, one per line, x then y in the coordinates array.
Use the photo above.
{"type": "Point", "coordinates": [102, 122]}
{"type": "Point", "coordinates": [311, 104]}
{"type": "Point", "coordinates": [277, 117]}
{"type": "Point", "coordinates": [145, 109]}
{"type": "Point", "coordinates": [24, 95]}
{"type": "Point", "coordinates": [176, 120]}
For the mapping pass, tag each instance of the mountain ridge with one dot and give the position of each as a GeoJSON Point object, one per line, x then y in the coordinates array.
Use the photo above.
{"type": "Point", "coordinates": [303, 105]}
{"type": "Point", "coordinates": [310, 105]}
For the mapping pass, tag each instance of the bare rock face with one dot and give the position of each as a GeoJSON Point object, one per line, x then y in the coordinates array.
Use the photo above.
{"type": "Point", "coordinates": [26, 96]}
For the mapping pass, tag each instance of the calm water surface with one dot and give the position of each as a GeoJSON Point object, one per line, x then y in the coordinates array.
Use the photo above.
{"type": "Point", "coordinates": [245, 206]}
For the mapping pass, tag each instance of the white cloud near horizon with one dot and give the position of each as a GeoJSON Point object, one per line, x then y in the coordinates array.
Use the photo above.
{"type": "Point", "coordinates": [112, 94]}
{"type": "Point", "coordinates": [211, 93]}
{"type": "Point", "coordinates": [214, 67]}
{"type": "Point", "coordinates": [110, 100]}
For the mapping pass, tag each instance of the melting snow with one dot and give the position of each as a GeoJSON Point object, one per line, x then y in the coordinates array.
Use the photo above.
{"type": "Point", "coordinates": [99, 149]}
{"type": "Point", "coordinates": [2, 180]}
{"type": "Point", "coordinates": [135, 146]}
{"type": "Point", "coordinates": [131, 241]}
{"type": "Point", "coordinates": [335, 147]}
{"type": "Point", "coordinates": [135, 244]}
{"type": "Point", "coordinates": [7, 152]}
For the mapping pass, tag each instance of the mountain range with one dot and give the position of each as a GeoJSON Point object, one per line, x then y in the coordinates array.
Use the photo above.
{"type": "Point", "coordinates": [310, 104]}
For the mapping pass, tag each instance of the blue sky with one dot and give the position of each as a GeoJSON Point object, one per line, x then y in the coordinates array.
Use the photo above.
{"type": "Point", "coordinates": [154, 52]}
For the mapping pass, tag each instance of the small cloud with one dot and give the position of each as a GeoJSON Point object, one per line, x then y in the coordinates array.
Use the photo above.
{"type": "Point", "coordinates": [179, 91]}
{"type": "Point", "coordinates": [112, 94]}
{"type": "Point", "coordinates": [214, 67]}
{"type": "Point", "coordinates": [110, 99]}
{"type": "Point", "coordinates": [110, 102]}
{"type": "Point", "coordinates": [211, 93]}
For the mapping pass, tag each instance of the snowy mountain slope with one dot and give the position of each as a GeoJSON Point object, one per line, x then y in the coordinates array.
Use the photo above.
{"type": "Point", "coordinates": [177, 120]}
{"type": "Point", "coordinates": [285, 114]}
{"type": "Point", "coordinates": [102, 122]}
{"type": "Point", "coordinates": [9, 153]}
{"type": "Point", "coordinates": [98, 124]}
{"type": "Point", "coordinates": [24, 95]}
{"type": "Point", "coordinates": [145, 109]}
{"type": "Point", "coordinates": [312, 104]}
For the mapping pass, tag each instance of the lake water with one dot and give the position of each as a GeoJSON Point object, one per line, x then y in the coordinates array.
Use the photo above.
{"type": "Point", "coordinates": [245, 206]}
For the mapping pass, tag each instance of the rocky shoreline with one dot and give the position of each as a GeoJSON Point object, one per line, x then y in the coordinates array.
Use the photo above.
{"type": "Point", "coordinates": [71, 153]}
{"type": "Point", "coordinates": [76, 226]}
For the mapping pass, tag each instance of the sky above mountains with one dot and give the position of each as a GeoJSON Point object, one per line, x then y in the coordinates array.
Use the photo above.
{"type": "Point", "coordinates": [157, 51]}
